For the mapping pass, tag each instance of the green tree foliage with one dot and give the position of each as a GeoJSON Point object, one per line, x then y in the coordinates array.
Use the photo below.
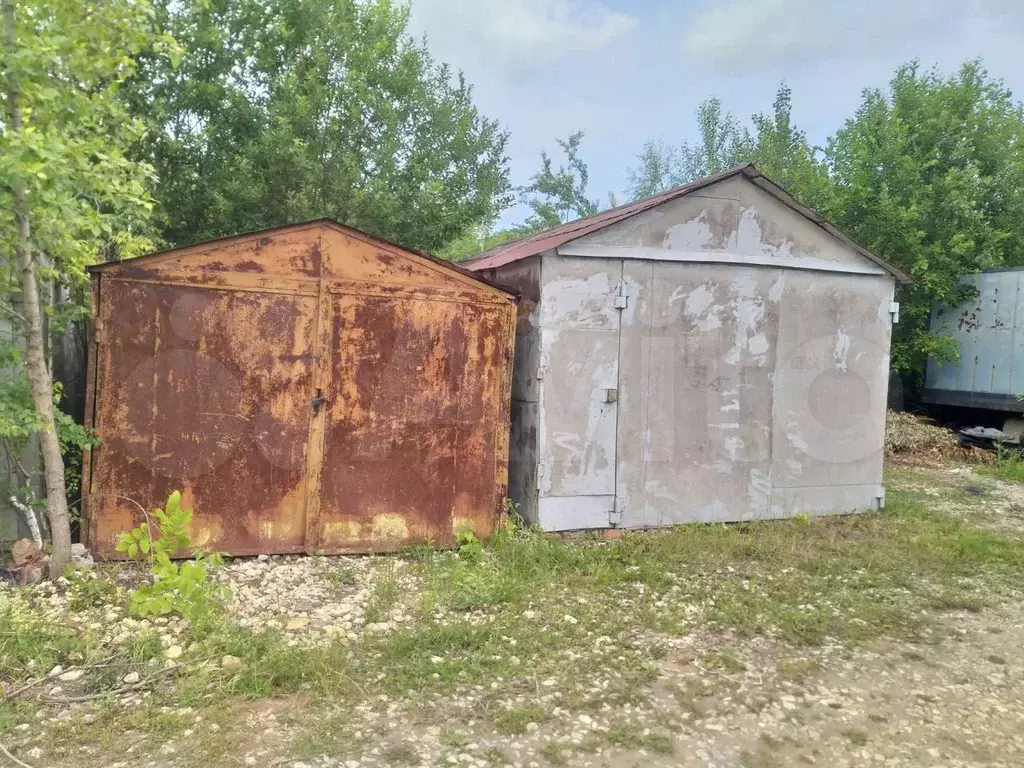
{"type": "Point", "coordinates": [559, 196]}
{"type": "Point", "coordinates": [298, 109]}
{"type": "Point", "coordinates": [723, 143]}
{"type": "Point", "coordinates": [554, 196]}
{"type": "Point", "coordinates": [775, 144]}
{"type": "Point", "coordinates": [781, 152]}
{"type": "Point", "coordinates": [69, 192]}
{"type": "Point", "coordinates": [480, 238]}
{"type": "Point", "coordinates": [930, 175]}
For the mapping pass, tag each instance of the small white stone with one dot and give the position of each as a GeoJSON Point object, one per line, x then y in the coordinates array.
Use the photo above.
{"type": "Point", "coordinates": [174, 652]}
{"type": "Point", "coordinates": [72, 675]}
{"type": "Point", "coordinates": [131, 678]}
{"type": "Point", "coordinates": [56, 671]}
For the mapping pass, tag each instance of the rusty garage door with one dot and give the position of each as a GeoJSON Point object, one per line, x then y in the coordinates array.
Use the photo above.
{"type": "Point", "coordinates": [308, 389]}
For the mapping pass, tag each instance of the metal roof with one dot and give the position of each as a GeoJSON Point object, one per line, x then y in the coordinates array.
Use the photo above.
{"type": "Point", "coordinates": [532, 245]}
{"type": "Point", "coordinates": [351, 231]}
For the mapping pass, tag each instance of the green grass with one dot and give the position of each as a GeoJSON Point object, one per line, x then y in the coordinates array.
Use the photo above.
{"type": "Point", "coordinates": [515, 721]}
{"type": "Point", "coordinates": [633, 737]}
{"type": "Point", "coordinates": [384, 595]}
{"type": "Point", "coordinates": [531, 615]}
{"type": "Point", "coordinates": [1009, 466]}
{"type": "Point", "coordinates": [850, 578]}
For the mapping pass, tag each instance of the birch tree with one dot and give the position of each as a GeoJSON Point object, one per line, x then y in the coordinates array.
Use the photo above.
{"type": "Point", "coordinates": [68, 191]}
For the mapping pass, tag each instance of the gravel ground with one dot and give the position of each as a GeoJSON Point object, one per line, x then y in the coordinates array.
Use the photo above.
{"type": "Point", "coordinates": [715, 698]}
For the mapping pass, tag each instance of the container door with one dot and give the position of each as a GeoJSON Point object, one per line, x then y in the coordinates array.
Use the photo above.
{"type": "Point", "coordinates": [208, 392]}
{"type": "Point", "coordinates": [411, 401]}
{"type": "Point", "coordinates": [580, 320]}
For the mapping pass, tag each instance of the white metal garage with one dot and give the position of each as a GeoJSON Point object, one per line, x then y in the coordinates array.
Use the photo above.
{"type": "Point", "coordinates": [717, 352]}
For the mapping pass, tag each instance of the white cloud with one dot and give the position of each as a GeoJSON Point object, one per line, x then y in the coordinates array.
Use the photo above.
{"type": "Point", "coordinates": [521, 35]}
{"type": "Point", "coordinates": [734, 36]}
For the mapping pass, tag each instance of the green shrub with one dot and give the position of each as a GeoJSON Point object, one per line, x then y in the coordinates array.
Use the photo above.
{"type": "Point", "coordinates": [177, 587]}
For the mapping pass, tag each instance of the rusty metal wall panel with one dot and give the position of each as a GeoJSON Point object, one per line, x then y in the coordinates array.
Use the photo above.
{"type": "Point", "coordinates": [206, 391]}
{"type": "Point", "coordinates": [414, 443]}
{"type": "Point", "coordinates": [209, 360]}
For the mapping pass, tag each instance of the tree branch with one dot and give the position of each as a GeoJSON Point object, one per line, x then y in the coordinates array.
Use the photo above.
{"type": "Point", "coordinates": [12, 758]}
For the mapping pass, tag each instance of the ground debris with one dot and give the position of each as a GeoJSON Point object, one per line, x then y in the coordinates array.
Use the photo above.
{"type": "Point", "coordinates": [912, 438]}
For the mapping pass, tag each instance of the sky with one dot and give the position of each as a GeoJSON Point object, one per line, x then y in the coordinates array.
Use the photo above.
{"type": "Point", "coordinates": [626, 71]}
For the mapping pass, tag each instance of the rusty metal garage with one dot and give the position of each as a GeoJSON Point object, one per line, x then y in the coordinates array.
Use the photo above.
{"type": "Point", "coordinates": [308, 388]}
{"type": "Point", "coordinates": [717, 352]}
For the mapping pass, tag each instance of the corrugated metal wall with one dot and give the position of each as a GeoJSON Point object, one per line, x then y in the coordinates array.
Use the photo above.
{"type": "Point", "coordinates": [990, 331]}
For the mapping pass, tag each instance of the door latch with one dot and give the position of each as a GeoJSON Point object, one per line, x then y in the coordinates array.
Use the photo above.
{"type": "Point", "coordinates": [318, 402]}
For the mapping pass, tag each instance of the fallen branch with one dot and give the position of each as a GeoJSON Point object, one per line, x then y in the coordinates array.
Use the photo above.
{"type": "Point", "coordinates": [12, 758]}
{"type": "Point", "coordinates": [27, 686]}
{"type": "Point", "coordinates": [115, 692]}
{"type": "Point", "coordinates": [102, 663]}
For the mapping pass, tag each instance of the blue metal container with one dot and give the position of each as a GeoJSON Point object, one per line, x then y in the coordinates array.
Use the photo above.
{"type": "Point", "coordinates": [990, 329]}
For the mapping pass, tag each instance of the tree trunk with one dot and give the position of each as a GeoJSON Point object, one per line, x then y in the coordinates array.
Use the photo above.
{"type": "Point", "coordinates": [39, 378]}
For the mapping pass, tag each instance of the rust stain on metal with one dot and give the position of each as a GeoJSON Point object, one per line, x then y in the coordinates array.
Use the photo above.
{"type": "Point", "coordinates": [313, 389]}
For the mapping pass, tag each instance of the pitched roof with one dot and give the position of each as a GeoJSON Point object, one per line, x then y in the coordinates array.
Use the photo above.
{"type": "Point", "coordinates": [531, 245]}
{"type": "Point", "coordinates": [323, 222]}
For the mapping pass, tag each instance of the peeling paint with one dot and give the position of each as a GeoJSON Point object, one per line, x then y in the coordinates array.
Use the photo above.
{"type": "Point", "coordinates": [699, 306]}
{"type": "Point", "coordinates": [733, 446]}
{"type": "Point", "coordinates": [747, 317]}
{"type": "Point", "coordinates": [759, 490]}
{"type": "Point", "coordinates": [798, 442]}
{"type": "Point", "coordinates": [577, 300]}
{"type": "Point", "coordinates": [842, 350]}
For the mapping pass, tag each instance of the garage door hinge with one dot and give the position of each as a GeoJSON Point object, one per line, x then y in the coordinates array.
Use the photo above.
{"type": "Point", "coordinates": [894, 310]}
{"type": "Point", "coordinates": [620, 302]}
{"type": "Point", "coordinates": [97, 331]}
{"type": "Point", "coordinates": [880, 496]}
{"type": "Point", "coordinates": [615, 514]}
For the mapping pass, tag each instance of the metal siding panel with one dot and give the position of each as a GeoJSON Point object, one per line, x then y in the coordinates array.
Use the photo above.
{"type": "Point", "coordinates": [580, 345]}
{"type": "Point", "coordinates": [707, 422]}
{"type": "Point", "coordinates": [992, 339]}
{"type": "Point", "coordinates": [574, 513]}
{"type": "Point", "coordinates": [206, 391]}
{"type": "Point", "coordinates": [823, 500]}
{"type": "Point", "coordinates": [637, 430]}
{"type": "Point", "coordinates": [414, 421]}
{"type": "Point", "coordinates": [988, 328]}
{"type": "Point", "coordinates": [1016, 352]}
{"type": "Point", "coordinates": [523, 459]}
{"type": "Point", "coordinates": [831, 382]}
{"type": "Point", "coordinates": [967, 323]}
